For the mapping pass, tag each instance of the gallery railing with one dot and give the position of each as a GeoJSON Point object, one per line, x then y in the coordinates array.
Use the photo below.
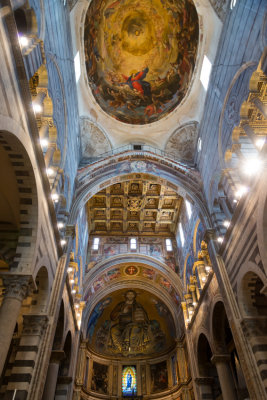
{"type": "Point", "coordinates": [138, 150]}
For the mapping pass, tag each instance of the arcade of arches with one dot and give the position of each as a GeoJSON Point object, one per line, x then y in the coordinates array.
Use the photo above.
{"type": "Point", "coordinates": [133, 199]}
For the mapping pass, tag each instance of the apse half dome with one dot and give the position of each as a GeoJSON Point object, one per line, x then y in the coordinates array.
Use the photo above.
{"type": "Point", "coordinates": [140, 56]}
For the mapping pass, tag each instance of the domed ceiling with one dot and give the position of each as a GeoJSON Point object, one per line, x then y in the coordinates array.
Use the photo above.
{"type": "Point", "coordinates": [140, 56]}
{"type": "Point", "coordinates": [131, 323]}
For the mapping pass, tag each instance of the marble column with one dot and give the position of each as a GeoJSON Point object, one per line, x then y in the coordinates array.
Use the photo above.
{"type": "Point", "coordinates": [222, 363]}
{"type": "Point", "coordinates": [205, 387]}
{"type": "Point", "coordinates": [15, 291]}
{"type": "Point", "coordinates": [52, 374]}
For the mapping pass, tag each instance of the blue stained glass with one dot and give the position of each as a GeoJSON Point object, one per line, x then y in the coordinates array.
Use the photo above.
{"type": "Point", "coordinates": [129, 381]}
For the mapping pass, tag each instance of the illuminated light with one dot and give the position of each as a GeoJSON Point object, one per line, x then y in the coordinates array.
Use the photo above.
{"type": "Point", "coordinates": [55, 197]}
{"type": "Point", "coordinates": [205, 72]}
{"type": "Point", "coordinates": [44, 142]}
{"type": "Point", "coordinates": [241, 191]}
{"type": "Point", "coordinates": [208, 268]}
{"type": "Point", "coordinates": [220, 239]}
{"type": "Point", "coordinates": [50, 172]}
{"type": "Point", "coordinates": [60, 225]}
{"type": "Point", "coordinates": [190, 311]}
{"type": "Point", "coordinates": [73, 291]}
{"type": "Point", "coordinates": [37, 108]}
{"type": "Point", "coordinates": [226, 224]}
{"type": "Point", "coordinates": [233, 4]}
{"type": "Point", "coordinates": [194, 304]}
{"type": "Point", "coordinates": [72, 281]}
{"type": "Point", "coordinates": [78, 314]}
{"type": "Point", "coordinates": [188, 320]}
{"type": "Point", "coordinates": [203, 279]}
{"type": "Point", "coordinates": [63, 242]}
{"type": "Point", "coordinates": [235, 201]}
{"type": "Point", "coordinates": [199, 144]}
{"type": "Point", "coordinates": [69, 269]}
{"type": "Point", "coordinates": [252, 166]}
{"type": "Point", "coordinates": [77, 66]}
{"type": "Point", "coordinates": [77, 305]}
{"type": "Point", "coordinates": [23, 41]}
{"type": "Point", "coordinates": [260, 142]}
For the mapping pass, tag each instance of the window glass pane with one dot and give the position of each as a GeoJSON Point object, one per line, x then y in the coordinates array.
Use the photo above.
{"type": "Point", "coordinates": [188, 208]}
{"type": "Point", "coordinates": [181, 233]}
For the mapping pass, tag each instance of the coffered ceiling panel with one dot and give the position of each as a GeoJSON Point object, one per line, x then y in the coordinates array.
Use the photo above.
{"type": "Point", "coordinates": [134, 208]}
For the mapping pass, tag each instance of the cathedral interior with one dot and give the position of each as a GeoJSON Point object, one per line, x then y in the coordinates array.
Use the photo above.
{"type": "Point", "coordinates": [133, 199]}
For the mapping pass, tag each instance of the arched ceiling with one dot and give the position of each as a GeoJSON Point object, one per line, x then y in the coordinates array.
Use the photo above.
{"type": "Point", "coordinates": [131, 323]}
{"type": "Point", "coordinates": [140, 56]}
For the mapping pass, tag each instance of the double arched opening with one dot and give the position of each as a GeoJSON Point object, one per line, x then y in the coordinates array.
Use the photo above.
{"type": "Point", "coordinates": [220, 372]}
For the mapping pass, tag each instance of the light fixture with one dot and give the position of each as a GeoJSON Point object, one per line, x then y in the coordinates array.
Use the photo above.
{"type": "Point", "coordinates": [55, 197]}
{"type": "Point", "coordinates": [190, 312]}
{"type": "Point", "coordinates": [226, 224]}
{"type": "Point", "coordinates": [69, 269]}
{"type": "Point", "coordinates": [203, 278]}
{"type": "Point", "coordinates": [235, 201]}
{"type": "Point", "coordinates": [37, 108]}
{"type": "Point", "coordinates": [50, 172]}
{"type": "Point", "coordinates": [78, 314]}
{"type": "Point", "coordinates": [241, 191]}
{"type": "Point", "coordinates": [73, 291]}
{"type": "Point", "coordinates": [77, 306]}
{"type": "Point", "coordinates": [63, 242]}
{"type": "Point", "coordinates": [220, 239]}
{"type": "Point", "coordinates": [72, 281]}
{"type": "Point", "coordinates": [60, 225]}
{"type": "Point", "coordinates": [260, 142]}
{"type": "Point", "coordinates": [207, 268]}
{"type": "Point", "coordinates": [252, 166]}
{"type": "Point", "coordinates": [194, 304]}
{"type": "Point", "coordinates": [23, 41]}
{"type": "Point", "coordinates": [44, 142]}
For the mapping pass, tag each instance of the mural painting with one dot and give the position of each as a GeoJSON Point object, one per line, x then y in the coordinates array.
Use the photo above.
{"type": "Point", "coordinates": [159, 377]}
{"type": "Point", "coordinates": [129, 387]}
{"type": "Point", "coordinates": [100, 378]}
{"type": "Point", "coordinates": [132, 324]}
{"type": "Point", "coordinates": [140, 56]}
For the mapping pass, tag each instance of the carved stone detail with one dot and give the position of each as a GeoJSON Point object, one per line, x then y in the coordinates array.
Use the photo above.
{"type": "Point", "coordinates": [34, 324]}
{"type": "Point", "coordinates": [16, 286]}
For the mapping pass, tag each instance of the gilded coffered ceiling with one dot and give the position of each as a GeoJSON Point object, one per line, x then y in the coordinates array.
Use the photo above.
{"type": "Point", "coordinates": [134, 208]}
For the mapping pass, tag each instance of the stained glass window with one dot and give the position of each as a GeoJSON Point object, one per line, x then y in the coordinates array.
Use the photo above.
{"type": "Point", "coordinates": [129, 381]}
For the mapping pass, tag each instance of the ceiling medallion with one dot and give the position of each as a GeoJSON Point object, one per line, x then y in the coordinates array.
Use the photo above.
{"type": "Point", "coordinates": [140, 56]}
{"type": "Point", "coordinates": [134, 203]}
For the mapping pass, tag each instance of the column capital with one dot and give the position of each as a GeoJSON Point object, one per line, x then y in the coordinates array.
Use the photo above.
{"type": "Point", "coordinates": [220, 358]}
{"type": "Point", "coordinates": [57, 356]}
{"type": "Point", "coordinates": [34, 325]}
{"type": "Point", "coordinates": [16, 286]}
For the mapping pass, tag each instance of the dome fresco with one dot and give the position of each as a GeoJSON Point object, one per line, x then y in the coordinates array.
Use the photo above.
{"type": "Point", "coordinates": [140, 56]}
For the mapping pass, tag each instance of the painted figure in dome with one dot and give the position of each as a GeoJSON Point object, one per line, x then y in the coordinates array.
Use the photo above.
{"type": "Point", "coordinates": [136, 82]}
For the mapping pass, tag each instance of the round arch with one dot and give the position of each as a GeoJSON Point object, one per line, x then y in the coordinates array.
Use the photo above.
{"type": "Point", "coordinates": [20, 208]}
{"type": "Point", "coordinates": [138, 165]}
{"type": "Point", "coordinates": [127, 284]}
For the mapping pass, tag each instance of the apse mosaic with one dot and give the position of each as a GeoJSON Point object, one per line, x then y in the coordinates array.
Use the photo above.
{"type": "Point", "coordinates": [140, 56]}
{"type": "Point", "coordinates": [129, 387]}
{"type": "Point", "coordinates": [131, 323]}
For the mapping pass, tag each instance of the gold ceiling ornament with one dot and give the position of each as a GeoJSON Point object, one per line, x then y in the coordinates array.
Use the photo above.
{"type": "Point", "coordinates": [134, 203]}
